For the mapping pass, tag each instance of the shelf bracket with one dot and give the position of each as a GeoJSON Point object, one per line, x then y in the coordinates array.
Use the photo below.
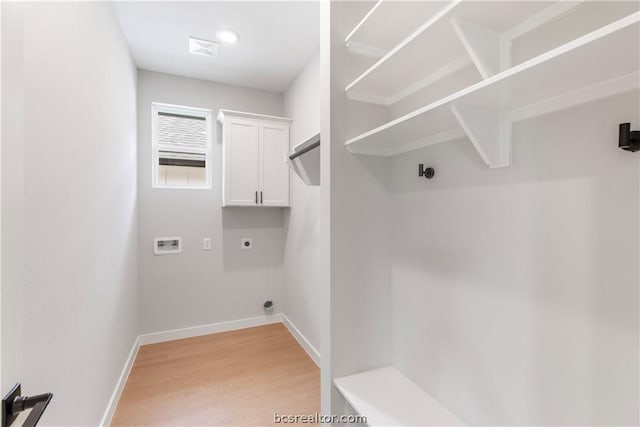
{"type": "Point", "coordinates": [483, 46]}
{"type": "Point", "coordinates": [489, 132]}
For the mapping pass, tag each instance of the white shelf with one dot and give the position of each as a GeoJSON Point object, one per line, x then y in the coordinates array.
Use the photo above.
{"type": "Point", "coordinates": [253, 116]}
{"type": "Point", "coordinates": [387, 24]}
{"type": "Point", "coordinates": [307, 142]}
{"type": "Point", "coordinates": [307, 164]}
{"type": "Point", "coordinates": [598, 64]}
{"type": "Point", "coordinates": [388, 398]}
{"type": "Point", "coordinates": [462, 33]}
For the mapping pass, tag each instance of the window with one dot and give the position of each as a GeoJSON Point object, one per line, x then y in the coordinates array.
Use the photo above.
{"type": "Point", "coordinates": [181, 146]}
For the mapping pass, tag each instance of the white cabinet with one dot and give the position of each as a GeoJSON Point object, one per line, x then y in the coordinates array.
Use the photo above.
{"type": "Point", "coordinates": [274, 168]}
{"type": "Point", "coordinates": [240, 162]}
{"type": "Point", "coordinates": [255, 168]}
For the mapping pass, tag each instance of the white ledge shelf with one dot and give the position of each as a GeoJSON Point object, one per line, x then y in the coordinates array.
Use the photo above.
{"type": "Point", "coordinates": [599, 64]}
{"type": "Point", "coordinates": [386, 24]}
{"type": "Point", "coordinates": [304, 159]}
{"type": "Point", "coordinates": [459, 34]}
{"type": "Point", "coordinates": [253, 116]}
{"type": "Point", "coordinates": [388, 398]}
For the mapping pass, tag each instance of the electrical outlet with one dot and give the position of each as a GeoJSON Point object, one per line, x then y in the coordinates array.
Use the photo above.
{"type": "Point", "coordinates": [206, 243]}
{"type": "Point", "coordinates": [246, 243]}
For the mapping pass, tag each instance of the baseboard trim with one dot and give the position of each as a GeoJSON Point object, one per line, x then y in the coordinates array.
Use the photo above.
{"type": "Point", "coordinates": [213, 328]}
{"type": "Point", "coordinates": [302, 340]}
{"type": "Point", "coordinates": [117, 392]}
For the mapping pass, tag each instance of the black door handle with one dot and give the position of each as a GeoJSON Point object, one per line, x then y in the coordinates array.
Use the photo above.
{"type": "Point", "coordinates": [37, 411]}
{"type": "Point", "coordinates": [13, 403]}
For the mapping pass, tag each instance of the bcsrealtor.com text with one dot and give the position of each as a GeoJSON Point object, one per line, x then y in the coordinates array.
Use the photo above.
{"type": "Point", "coordinates": [318, 419]}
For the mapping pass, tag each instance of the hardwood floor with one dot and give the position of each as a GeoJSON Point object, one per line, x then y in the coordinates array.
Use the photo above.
{"type": "Point", "coordinates": [228, 379]}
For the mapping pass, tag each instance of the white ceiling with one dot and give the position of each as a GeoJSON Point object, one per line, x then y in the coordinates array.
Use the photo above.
{"type": "Point", "coordinates": [276, 38]}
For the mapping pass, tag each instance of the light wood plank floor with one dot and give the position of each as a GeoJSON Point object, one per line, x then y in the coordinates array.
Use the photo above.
{"type": "Point", "coordinates": [228, 379]}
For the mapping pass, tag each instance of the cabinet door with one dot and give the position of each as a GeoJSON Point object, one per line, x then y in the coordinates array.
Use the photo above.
{"type": "Point", "coordinates": [274, 169]}
{"type": "Point", "coordinates": [241, 165]}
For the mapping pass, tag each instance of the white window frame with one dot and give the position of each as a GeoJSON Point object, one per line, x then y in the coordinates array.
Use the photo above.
{"type": "Point", "coordinates": [158, 107]}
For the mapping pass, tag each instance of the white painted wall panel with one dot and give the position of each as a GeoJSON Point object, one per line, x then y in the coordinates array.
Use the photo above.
{"type": "Point", "coordinates": [302, 291]}
{"type": "Point", "coordinates": [200, 287]}
{"type": "Point", "coordinates": [69, 203]}
{"type": "Point", "coordinates": [515, 291]}
{"type": "Point", "coordinates": [360, 221]}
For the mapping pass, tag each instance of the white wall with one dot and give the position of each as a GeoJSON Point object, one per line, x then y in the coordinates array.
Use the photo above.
{"type": "Point", "coordinates": [327, 391]}
{"type": "Point", "coordinates": [11, 195]}
{"type": "Point", "coordinates": [200, 287]}
{"type": "Point", "coordinates": [302, 292]}
{"type": "Point", "coordinates": [515, 291]}
{"type": "Point", "coordinates": [1, 195]}
{"type": "Point", "coordinates": [69, 205]}
{"type": "Point", "coordinates": [359, 222]}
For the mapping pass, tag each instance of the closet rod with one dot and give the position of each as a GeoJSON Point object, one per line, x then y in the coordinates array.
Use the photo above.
{"type": "Point", "coordinates": [304, 150]}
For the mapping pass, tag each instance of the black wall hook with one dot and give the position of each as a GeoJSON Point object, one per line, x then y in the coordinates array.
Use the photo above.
{"type": "Point", "coordinates": [629, 140]}
{"type": "Point", "coordinates": [426, 172]}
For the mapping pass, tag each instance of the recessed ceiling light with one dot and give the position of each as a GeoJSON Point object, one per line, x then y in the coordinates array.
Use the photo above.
{"type": "Point", "coordinates": [227, 36]}
{"type": "Point", "coordinates": [203, 47]}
